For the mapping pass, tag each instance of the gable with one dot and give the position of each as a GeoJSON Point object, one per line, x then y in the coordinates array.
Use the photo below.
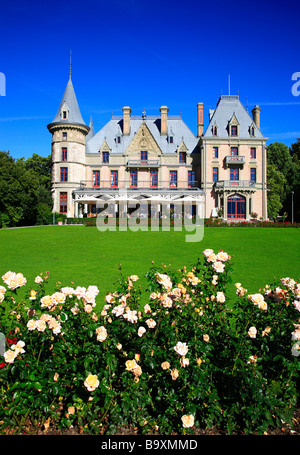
{"type": "Point", "coordinates": [143, 140]}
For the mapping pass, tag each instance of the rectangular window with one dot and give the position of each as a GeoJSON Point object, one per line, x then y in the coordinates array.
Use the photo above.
{"type": "Point", "coordinates": [191, 179]}
{"type": "Point", "coordinates": [144, 156]}
{"type": "Point", "coordinates": [215, 174]}
{"type": "Point", "coordinates": [96, 178]}
{"type": "Point", "coordinates": [133, 179]}
{"type": "Point", "coordinates": [105, 157]}
{"type": "Point", "coordinates": [253, 153]}
{"type": "Point", "coordinates": [215, 152]}
{"type": "Point", "coordinates": [182, 157]}
{"type": "Point", "coordinates": [114, 179]}
{"type": "Point", "coordinates": [171, 139]}
{"type": "Point", "coordinates": [64, 136]}
{"type": "Point", "coordinates": [173, 179]}
{"type": "Point", "coordinates": [234, 173]}
{"type": "Point", "coordinates": [153, 178]}
{"type": "Point", "coordinates": [234, 151]}
{"type": "Point", "coordinates": [63, 174]}
{"type": "Point", "coordinates": [64, 114]}
{"type": "Point", "coordinates": [253, 174]}
{"type": "Point", "coordinates": [233, 130]}
{"type": "Point", "coordinates": [63, 199]}
{"type": "Point", "coordinates": [64, 154]}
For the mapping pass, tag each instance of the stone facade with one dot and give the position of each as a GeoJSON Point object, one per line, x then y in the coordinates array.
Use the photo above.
{"type": "Point", "coordinates": [224, 168]}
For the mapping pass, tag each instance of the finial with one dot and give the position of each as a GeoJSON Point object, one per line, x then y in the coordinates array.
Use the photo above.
{"type": "Point", "coordinates": [70, 69]}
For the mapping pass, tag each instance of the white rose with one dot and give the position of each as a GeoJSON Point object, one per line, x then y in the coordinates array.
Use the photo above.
{"type": "Point", "coordinates": [181, 348]}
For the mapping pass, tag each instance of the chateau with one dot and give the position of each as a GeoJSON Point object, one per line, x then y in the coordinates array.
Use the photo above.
{"type": "Point", "coordinates": [145, 158]}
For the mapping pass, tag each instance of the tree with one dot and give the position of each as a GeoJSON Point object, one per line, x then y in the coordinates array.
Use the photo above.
{"type": "Point", "coordinates": [24, 190]}
{"type": "Point", "coordinates": [276, 182]}
{"type": "Point", "coordinates": [295, 154]}
{"type": "Point", "coordinates": [18, 190]}
{"type": "Point", "coordinates": [279, 155]}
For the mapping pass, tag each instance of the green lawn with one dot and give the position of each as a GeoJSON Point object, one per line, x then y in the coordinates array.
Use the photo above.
{"type": "Point", "coordinates": [78, 255]}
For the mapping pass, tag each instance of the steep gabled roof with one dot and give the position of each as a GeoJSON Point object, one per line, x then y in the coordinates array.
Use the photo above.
{"type": "Point", "coordinates": [230, 107]}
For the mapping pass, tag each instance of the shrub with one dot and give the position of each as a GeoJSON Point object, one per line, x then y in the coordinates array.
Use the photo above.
{"type": "Point", "coordinates": [186, 358]}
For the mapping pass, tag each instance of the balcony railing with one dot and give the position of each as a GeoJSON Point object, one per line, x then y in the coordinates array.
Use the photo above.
{"type": "Point", "coordinates": [234, 183]}
{"type": "Point", "coordinates": [235, 159]}
{"type": "Point", "coordinates": [107, 185]}
{"type": "Point", "coordinates": [143, 163]}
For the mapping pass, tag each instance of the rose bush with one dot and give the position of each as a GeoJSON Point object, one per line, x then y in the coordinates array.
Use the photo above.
{"type": "Point", "coordinates": [187, 357]}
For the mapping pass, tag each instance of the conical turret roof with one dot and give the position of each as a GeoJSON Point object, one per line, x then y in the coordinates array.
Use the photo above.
{"type": "Point", "coordinates": [70, 105]}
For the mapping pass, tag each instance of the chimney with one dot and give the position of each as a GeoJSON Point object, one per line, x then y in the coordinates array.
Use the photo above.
{"type": "Point", "coordinates": [164, 123]}
{"type": "Point", "coordinates": [126, 120]}
{"type": "Point", "coordinates": [256, 115]}
{"type": "Point", "coordinates": [200, 119]}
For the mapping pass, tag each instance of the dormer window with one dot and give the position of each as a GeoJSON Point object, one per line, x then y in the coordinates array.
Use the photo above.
{"type": "Point", "coordinates": [64, 112]}
{"type": "Point", "coordinates": [215, 130]}
{"type": "Point", "coordinates": [118, 139]}
{"type": "Point", "coordinates": [252, 131]}
{"type": "Point", "coordinates": [105, 157]}
{"type": "Point", "coordinates": [171, 139]}
{"type": "Point", "coordinates": [182, 157]}
{"type": "Point", "coordinates": [233, 130]}
{"type": "Point", "coordinates": [233, 126]}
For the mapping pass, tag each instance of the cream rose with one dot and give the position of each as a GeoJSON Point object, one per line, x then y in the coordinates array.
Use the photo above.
{"type": "Point", "coordinates": [47, 301]}
{"type": "Point", "coordinates": [252, 332]}
{"type": "Point", "coordinates": [131, 364]}
{"type": "Point", "coordinates": [218, 266]}
{"type": "Point", "coordinates": [9, 356]}
{"type": "Point", "coordinates": [141, 331]}
{"type": "Point", "coordinates": [220, 297]}
{"type": "Point", "coordinates": [151, 323]}
{"type": "Point", "coordinates": [208, 251]}
{"type": "Point", "coordinates": [167, 302]}
{"type": "Point", "coordinates": [31, 324]}
{"type": "Point", "coordinates": [181, 348]}
{"type": "Point", "coordinates": [174, 374]}
{"type": "Point", "coordinates": [40, 325]}
{"type": "Point", "coordinates": [222, 256]}
{"type": "Point", "coordinates": [257, 299]}
{"type": "Point", "coordinates": [133, 277]}
{"type": "Point", "coordinates": [188, 421]}
{"type": "Point", "coordinates": [131, 316]}
{"type": "Point", "coordinates": [91, 382]}
{"type": "Point", "coordinates": [101, 333]}
{"type": "Point", "coordinates": [38, 279]}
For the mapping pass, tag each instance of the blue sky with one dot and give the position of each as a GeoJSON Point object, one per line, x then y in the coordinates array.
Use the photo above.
{"type": "Point", "coordinates": [145, 55]}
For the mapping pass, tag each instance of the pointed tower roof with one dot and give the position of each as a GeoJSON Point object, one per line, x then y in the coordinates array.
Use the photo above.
{"type": "Point", "coordinates": [91, 132]}
{"type": "Point", "coordinates": [69, 105]}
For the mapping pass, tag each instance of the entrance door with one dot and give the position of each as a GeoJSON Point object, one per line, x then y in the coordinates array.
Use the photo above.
{"type": "Point", "coordinates": [236, 207]}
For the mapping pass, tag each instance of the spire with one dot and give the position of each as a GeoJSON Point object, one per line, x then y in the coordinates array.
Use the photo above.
{"type": "Point", "coordinates": [70, 69]}
{"type": "Point", "coordinates": [91, 132]}
{"type": "Point", "coordinates": [68, 111]}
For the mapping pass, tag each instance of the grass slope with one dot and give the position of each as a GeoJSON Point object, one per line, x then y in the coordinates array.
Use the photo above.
{"type": "Point", "coordinates": [77, 255]}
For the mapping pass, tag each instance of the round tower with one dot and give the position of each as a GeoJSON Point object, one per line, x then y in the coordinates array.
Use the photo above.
{"type": "Point", "coordinates": [68, 151]}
